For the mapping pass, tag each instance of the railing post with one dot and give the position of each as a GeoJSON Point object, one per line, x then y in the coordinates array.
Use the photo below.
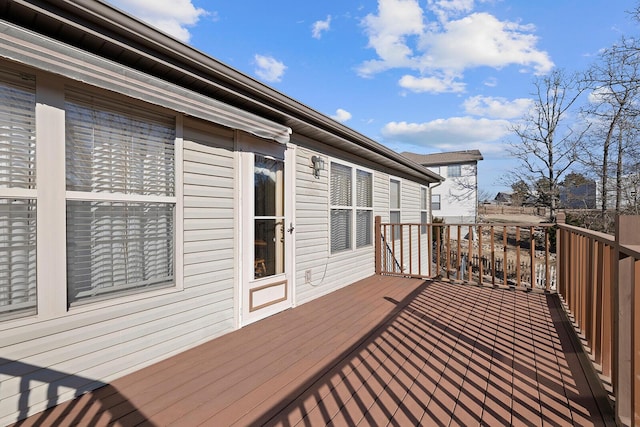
{"type": "Point", "coordinates": [626, 383]}
{"type": "Point", "coordinates": [378, 232]}
{"type": "Point", "coordinates": [561, 257]}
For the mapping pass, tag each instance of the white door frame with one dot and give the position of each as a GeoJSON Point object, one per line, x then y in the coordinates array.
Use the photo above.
{"type": "Point", "coordinates": [262, 297]}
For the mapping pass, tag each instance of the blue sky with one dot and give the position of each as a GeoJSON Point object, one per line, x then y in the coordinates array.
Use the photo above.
{"type": "Point", "coordinates": [415, 75]}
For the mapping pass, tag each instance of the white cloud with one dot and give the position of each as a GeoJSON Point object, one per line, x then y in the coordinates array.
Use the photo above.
{"type": "Point", "coordinates": [497, 107]}
{"type": "Point", "coordinates": [268, 68]}
{"type": "Point", "coordinates": [449, 134]}
{"type": "Point", "coordinates": [480, 39]}
{"type": "Point", "coordinates": [341, 115]}
{"type": "Point", "coordinates": [319, 26]}
{"type": "Point", "coordinates": [388, 32]}
{"type": "Point", "coordinates": [448, 46]}
{"type": "Point", "coordinates": [444, 9]}
{"type": "Point", "coordinates": [431, 84]}
{"type": "Point", "coordinates": [174, 17]}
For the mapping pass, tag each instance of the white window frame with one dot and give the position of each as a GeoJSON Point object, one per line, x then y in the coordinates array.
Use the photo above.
{"type": "Point", "coordinates": [353, 207]}
{"type": "Point", "coordinates": [395, 209]}
{"type": "Point", "coordinates": [424, 208]}
{"type": "Point", "coordinates": [454, 171]}
{"type": "Point", "coordinates": [176, 282]}
{"type": "Point", "coordinates": [439, 202]}
{"type": "Point", "coordinates": [14, 193]}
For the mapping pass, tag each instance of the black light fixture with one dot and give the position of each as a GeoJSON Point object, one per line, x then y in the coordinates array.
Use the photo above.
{"type": "Point", "coordinates": [317, 163]}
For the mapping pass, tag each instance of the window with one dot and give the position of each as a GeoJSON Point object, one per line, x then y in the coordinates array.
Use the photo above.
{"type": "Point", "coordinates": [424, 212]}
{"type": "Point", "coordinates": [394, 201]}
{"type": "Point", "coordinates": [364, 208]}
{"type": "Point", "coordinates": [345, 180]}
{"type": "Point", "coordinates": [17, 195]}
{"type": "Point", "coordinates": [120, 199]}
{"type": "Point", "coordinates": [435, 202]}
{"type": "Point", "coordinates": [454, 171]}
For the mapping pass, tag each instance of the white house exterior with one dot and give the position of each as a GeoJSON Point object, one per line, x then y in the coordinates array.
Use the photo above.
{"type": "Point", "coordinates": [456, 199]}
{"type": "Point", "coordinates": [152, 199]}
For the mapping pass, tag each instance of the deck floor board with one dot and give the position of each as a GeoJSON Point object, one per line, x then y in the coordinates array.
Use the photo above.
{"type": "Point", "coordinates": [383, 351]}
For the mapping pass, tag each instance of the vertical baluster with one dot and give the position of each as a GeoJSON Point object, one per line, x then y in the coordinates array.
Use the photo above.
{"type": "Point", "coordinates": [518, 282]}
{"type": "Point", "coordinates": [480, 261]}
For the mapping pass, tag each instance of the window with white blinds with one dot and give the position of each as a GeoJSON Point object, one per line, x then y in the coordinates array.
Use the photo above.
{"type": "Point", "coordinates": [364, 208]}
{"type": "Point", "coordinates": [118, 244]}
{"type": "Point", "coordinates": [351, 217]}
{"type": "Point", "coordinates": [341, 207]}
{"type": "Point", "coordinates": [394, 201]}
{"type": "Point", "coordinates": [17, 195]}
{"type": "Point", "coordinates": [424, 210]}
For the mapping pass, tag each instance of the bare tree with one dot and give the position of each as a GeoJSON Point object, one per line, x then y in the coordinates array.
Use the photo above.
{"type": "Point", "coordinates": [547, 142]}
{"type": "Point", "coordinates": [613, 111]}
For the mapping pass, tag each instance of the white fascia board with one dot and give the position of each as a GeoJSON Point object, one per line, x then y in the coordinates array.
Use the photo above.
{"type": "Point", "coordinates": [32, 49]}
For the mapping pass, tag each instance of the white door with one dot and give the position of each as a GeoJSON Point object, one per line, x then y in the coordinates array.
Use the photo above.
{"type": "Point", "coordinates": [267, 231]}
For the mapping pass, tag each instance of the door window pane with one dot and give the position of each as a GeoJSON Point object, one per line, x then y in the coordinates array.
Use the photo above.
{"type": "Point", "coordinates": [268, 226]}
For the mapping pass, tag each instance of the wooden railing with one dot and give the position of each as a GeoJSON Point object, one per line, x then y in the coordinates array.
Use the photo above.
{"type": "Point", "coordinates": [596, 275]}
{"type": "Point", "coordinates": [513, 255]}
{"type": "Point", "coordinates": [599, 282]}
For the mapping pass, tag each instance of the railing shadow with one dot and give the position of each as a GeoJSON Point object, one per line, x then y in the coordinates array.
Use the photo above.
{"type": "Point", "coordinates": [425, 363]}
{"type": "Point", "coordinates": [94, 401]}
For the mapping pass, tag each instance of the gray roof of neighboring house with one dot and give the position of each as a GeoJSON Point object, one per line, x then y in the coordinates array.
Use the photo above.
{"type": "Point", "coordinates": [449, 158]}
{"type": "Point", "coordinates": [103, 30]}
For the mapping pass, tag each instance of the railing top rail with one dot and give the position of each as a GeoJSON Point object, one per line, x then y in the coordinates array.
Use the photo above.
{"type": "Point", "coordinates": [630, 250]}
{"type": "Point", "coordinates": [596, 235]}
{"type": "Point", "coordinates": [483, 224]}
{"type": "Point", "coordinates": [607, 239]}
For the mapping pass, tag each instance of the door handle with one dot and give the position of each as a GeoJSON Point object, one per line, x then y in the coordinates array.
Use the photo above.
{"type": "Point", "coordinates": [291, 228]}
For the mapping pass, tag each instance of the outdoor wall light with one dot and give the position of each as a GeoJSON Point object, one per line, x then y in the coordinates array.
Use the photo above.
{"type": "Point", "coordinates": [317, 163]}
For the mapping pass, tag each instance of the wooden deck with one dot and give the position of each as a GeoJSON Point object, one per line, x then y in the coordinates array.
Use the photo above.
{"type": "Point", "coordinates": [382, 351]}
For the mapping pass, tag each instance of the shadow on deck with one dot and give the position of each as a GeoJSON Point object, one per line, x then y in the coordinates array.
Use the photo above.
{"type": "Point", "coordinates": [382, 351]}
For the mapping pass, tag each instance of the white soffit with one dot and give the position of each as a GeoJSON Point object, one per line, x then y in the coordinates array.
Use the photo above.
{"type": "Point", "coordinates": [43, 53]}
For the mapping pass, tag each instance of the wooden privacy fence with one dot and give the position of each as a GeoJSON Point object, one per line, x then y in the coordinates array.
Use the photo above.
{"type": "Point", "coordinates": [599, 281]}
{"type": "Point", "coordinates": [513, 255]}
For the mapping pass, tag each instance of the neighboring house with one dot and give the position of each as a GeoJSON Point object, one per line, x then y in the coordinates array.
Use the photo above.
{"type": "Point", "coordinates": [629, 192]}
{"type": "Point", "coordinates": [152, 199]}
{"type": "Point", "coordinates": [456, 199]}
{"type": "Point", "coordinates": [581, 196]}
{"type": "Point", "coordinates": [503, 198]}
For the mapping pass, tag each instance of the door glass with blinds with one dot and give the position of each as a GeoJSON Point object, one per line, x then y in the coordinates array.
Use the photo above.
{"type": "Point", "coordinates": [120, 174]}
{"type": "Point", "coordinates": [269, 253]}
{"type": "Point", "coordinates": [17, 195]}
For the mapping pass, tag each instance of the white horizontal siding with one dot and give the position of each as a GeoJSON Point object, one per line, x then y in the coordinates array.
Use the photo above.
{"type": "Point", "coordinates": [97, 343]}
{"type": "Point", "coordinates": [381, 195]}
{"type": "Point", "coordinates": [329, 272]}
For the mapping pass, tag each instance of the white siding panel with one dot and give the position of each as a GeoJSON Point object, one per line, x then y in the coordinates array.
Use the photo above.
{"type": "Point", "coordinates": [381, 196]}
{"type": "Point", "coordinates": [99, 342]}
{"type": "Point", "coordinates": [329, 272]}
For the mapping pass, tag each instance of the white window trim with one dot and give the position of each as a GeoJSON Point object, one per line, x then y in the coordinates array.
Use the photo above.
{"type": "Point", "coordinates": [399, 208]}
{"type": "Point", "coordinates": [354, 208]}
{"type": "Point", "coordinates": [449, 175]}
{"type": "Point", "coordinates": [439, 202]}
{"type": "Point", "coordinates": [7, 194]}
{"type": "Point", "coordinates": [426, 208]}
{"type": "Point", "coordinates": [176, 200]}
